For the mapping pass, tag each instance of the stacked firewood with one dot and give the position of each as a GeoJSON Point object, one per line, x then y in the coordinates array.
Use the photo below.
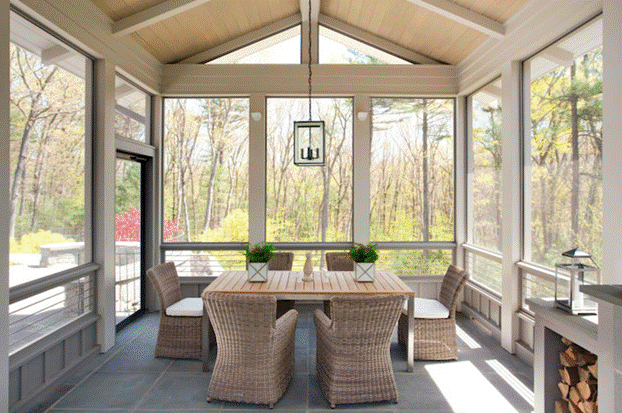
{"type": "Point", "coordinates": [579, 380]}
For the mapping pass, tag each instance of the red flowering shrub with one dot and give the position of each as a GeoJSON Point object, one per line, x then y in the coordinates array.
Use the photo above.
{"type": "Point", "coordinates": [127, 227]}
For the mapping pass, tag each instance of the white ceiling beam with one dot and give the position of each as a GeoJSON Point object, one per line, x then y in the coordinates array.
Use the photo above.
{"type": "Point", "coordinates": [373, 40]}
{"type": "Point", "coordinates": [55, 54]}
{"type": "Point", "coordinates": [463, 16]}
{"type": "Point", "coordinates": [557, 55]}
{"type": "Point", "coordinates": [153, 15]}
{"type": "Point", "coordinates": [309, 26]}
{"type": "Point", "coordinates": [244, 40]}
{"type": "Point", "coordinates": [492, 90]}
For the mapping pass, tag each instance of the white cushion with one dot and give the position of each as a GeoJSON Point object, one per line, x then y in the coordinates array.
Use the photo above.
{"type": "Point", "coordinates": [187, 307]}
{"type": "Point", "coordinates": [426, 308]}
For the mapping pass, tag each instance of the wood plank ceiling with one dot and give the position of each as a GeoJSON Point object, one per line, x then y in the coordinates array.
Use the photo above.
{"type": "Point", "coordinates": [443, 30]}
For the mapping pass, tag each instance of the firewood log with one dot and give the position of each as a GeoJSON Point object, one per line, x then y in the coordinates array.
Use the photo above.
{"type": "Point", "coordinates": [587, 389]}
{"type": "Point", "coordinates": [563, 389]}
{"type": "Point", "coordinates": [569, 375]}
{"type": "Point", "coordinates": [561, 406]}
{"type": "Point", "coordinates": [594, 369]}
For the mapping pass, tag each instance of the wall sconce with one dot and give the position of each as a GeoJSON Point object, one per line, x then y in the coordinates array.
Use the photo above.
{"type": "Point", "coordinates": [256, 116]}
{"type": "Point", "coordinates": [362, 116]}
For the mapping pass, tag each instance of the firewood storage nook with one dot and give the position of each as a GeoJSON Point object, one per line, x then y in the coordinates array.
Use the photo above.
{"type": "Point", "coordinates": [565, 354]}
{"type": "Point", "coordinates": [578, 383]}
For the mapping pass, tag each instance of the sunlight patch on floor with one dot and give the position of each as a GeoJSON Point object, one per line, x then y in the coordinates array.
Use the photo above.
{"type": "Point", "coordinates": [467, 390]}
{"type": "Point", "coordinates": [468, 340]}
{"type": "Point", "coordinates": [511, 379]}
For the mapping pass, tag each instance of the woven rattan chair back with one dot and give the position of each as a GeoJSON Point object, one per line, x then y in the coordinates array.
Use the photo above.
{"type": "Point", "coordinates": [281, 261]}
{"type": "Point", "coordinates": [337, 261]}
{"type": "Point", "coordinates": [166, 283]}
{"type": "Point", "coordinates": [366, 320]}
{"type": "Point", "coordinates": [452, 285]}
{"type": "Point", "coordinates": [231, 316]}
{"type": "Point", "coordinates": [353, 348]}
{"type": "Point", "coordinates": [255, 360]}
{"type": "Point", "coordinates": [178, 336]}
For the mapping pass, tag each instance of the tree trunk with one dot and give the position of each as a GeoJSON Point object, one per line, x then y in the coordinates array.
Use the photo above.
{"type": "Point", "coordinates": [18, 175]}
{"type": "Point", "coordinates": [574, 202]}
{"type": "Point", "coordinates": [425, 172]}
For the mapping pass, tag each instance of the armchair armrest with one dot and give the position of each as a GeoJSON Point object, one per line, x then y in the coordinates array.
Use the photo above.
{"type": "Point", "coordinates": [322, 321]}
{"type": "Point", "coordinates": [286, 324]}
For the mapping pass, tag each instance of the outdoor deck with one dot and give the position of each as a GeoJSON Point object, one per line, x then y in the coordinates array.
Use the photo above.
{"type": "Point", "coordinates": [129, 379]}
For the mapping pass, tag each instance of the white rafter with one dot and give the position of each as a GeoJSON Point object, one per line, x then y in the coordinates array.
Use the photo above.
{"type": "Point", "coordinates": [153, 15]}
{"type": "Point", "coordinates": [375, 41]}
{"type": "Point", "coordinates": [464, 16]}
{"type": "Point", "coordinates": [55, 54]}
{"type": "Point", "coordinates": [244, 40]}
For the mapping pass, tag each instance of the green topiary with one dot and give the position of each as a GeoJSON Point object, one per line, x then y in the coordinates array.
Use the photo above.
{"type": "Point", "coordinates": [262, 252]}
{"type": "Point", "coordinates": [363, 253]}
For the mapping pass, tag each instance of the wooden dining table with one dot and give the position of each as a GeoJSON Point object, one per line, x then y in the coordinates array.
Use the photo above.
{"type": "Point", "coordinates": [288, 285]}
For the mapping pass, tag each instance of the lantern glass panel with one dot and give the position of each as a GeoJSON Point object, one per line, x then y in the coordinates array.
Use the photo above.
{"type": "Point", "coordinates": [309, 143]}
{"type": "Point", "coordinates": [569, 277]}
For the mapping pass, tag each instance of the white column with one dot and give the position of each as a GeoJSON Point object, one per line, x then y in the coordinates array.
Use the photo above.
{"type": "Point", "coordinates": [361, 147]}
{"type": "Point", "coordinates": [609, 316]}
{"type": "Point", "coordinates": [154, 190]}
{"type": "Point", "coordinates": [463, 157]}
{"type": "Point", "coordinates": [510, 243]}
{"type": "Point", "coordinates": [104, 159]}
{"type": "Point", "coordinates": [257, 170]}
{"type": "Point", "coordinates": [5, 183]}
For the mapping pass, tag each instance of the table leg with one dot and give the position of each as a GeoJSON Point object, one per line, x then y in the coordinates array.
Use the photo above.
{"type": "Point", "coordinates": [410, 345]}
{"type": "Point", "coordinates": [205, 341]}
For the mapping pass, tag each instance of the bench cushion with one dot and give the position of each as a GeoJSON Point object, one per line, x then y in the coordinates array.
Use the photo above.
{"type": "Point", "coordinates": [426, 308]}
{"type": "Point", "coordinates": [187, 307]}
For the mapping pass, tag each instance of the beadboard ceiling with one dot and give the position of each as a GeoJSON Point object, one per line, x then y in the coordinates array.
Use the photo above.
{"type": "Point", "coordinates": [433, 31]}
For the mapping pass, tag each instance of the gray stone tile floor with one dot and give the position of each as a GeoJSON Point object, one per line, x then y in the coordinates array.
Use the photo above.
{"type": "Point", "coordinates": [128, 378]}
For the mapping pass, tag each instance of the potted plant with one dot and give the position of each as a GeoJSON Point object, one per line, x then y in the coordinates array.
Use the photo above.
{"type": "Point", "coordinates": [257, 257]}
{"type": "Point", "coordinates": [364, 257]}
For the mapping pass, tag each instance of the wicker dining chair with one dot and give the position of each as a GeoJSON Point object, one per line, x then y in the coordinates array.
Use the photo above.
{"type": "Point", "coordinates": [435, 320]}
{"type": "Point", "coordinates": [353, 348]}
{"type": "Point", "coordinates": [179, 333]}
{"type": "Point", "coordinates": [282, 261]}
{"type": "Point", "coordinates": [255, 359]}
{"type": "Point", "coordinates": [337, 261]}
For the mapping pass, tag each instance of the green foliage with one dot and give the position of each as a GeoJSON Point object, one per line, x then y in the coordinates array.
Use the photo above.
{"type": "Point", "coordinates": [363, 253]}
{"type": "Point", "coordinates": [30, 243]}
{"type": "Point", "coordinates": [262, 252]}
{"type": "Point", "coordinates": [233, 229]}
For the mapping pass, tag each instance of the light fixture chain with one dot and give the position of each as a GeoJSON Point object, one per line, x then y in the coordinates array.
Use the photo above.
{"type": "Point", "coordinates": [309, 60]}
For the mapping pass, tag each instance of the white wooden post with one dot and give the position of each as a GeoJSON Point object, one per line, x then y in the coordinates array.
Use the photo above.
{"type": "Point", "coordinates": [510, 242]}
{"type": "Point", "coordinates": [257, 170]}
{"type": "Point", "coordinates": [361, 147]}
{"type": "Point", "coordinates": [610, 354]}
{"type": "Point", "coordinates": [5, 183]}
{"type": "Point", "coordinates": [104, 161]}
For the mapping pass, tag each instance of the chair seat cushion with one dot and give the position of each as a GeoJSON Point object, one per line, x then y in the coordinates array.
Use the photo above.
{"type": "Point", "coordinates": [427, 308]}
{"type": "Point", "coordinates": [187, 307]}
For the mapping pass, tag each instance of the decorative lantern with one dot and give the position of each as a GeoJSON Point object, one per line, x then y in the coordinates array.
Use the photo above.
{"type": "Point", "coordinates": [309, 141]}
{"type": "Point", "coordinates": [573, 271]}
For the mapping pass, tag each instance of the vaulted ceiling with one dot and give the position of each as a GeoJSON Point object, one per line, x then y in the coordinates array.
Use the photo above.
{"type": "Point", "coordinates": [421, 31]}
